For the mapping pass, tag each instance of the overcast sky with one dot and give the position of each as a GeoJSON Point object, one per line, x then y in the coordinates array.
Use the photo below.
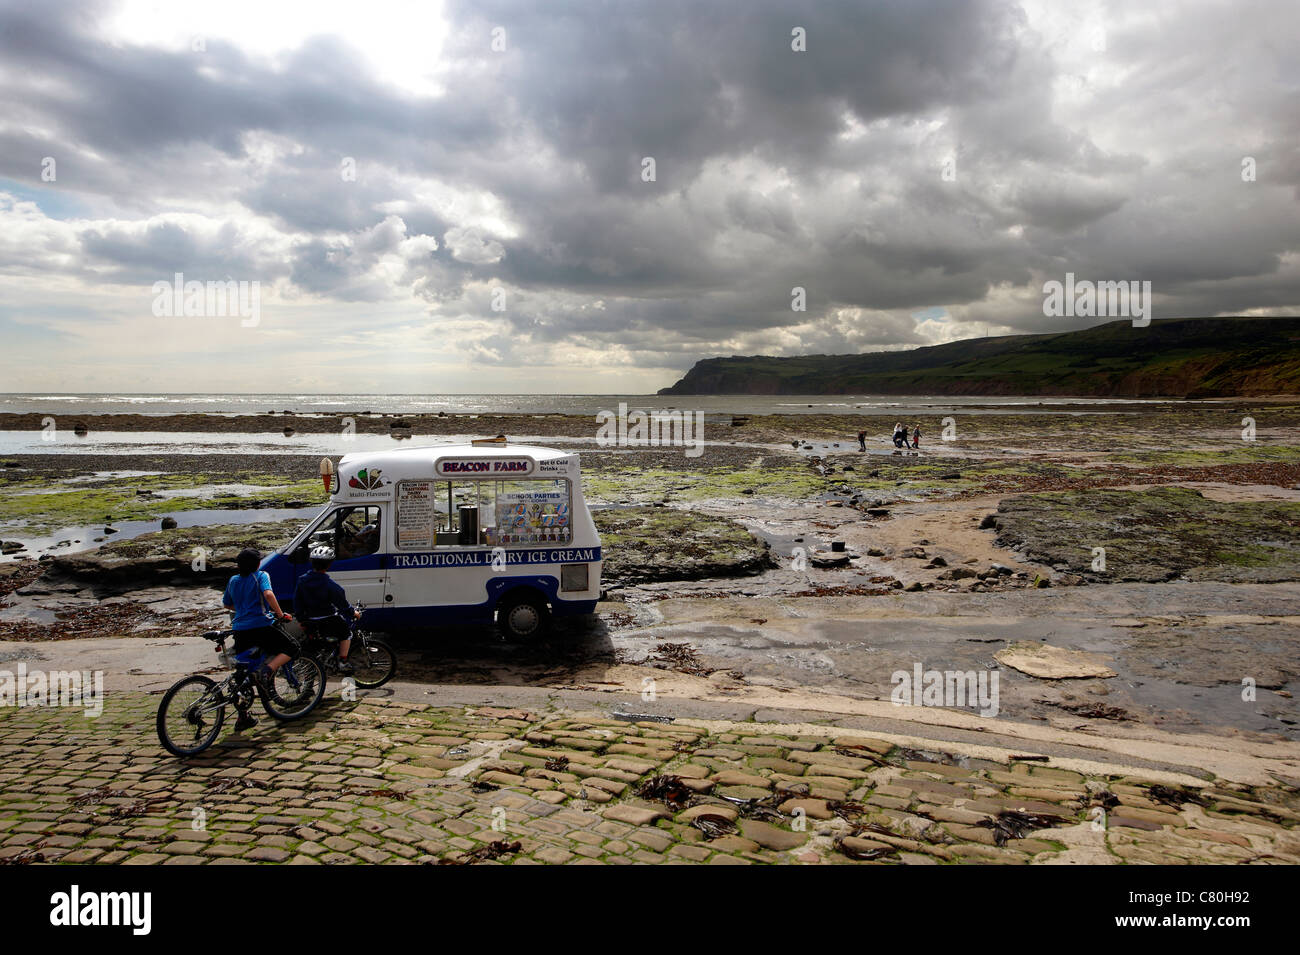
{"type": "Point", "coordinates": [388, 172]}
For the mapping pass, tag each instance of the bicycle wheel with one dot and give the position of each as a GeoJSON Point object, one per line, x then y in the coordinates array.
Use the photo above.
{"type": "Point", "coordinates": [299, 686]}
{"type": "Point", "coordinates": [190, 716]}
{"type": "Point", "coordinates": [374, 660]}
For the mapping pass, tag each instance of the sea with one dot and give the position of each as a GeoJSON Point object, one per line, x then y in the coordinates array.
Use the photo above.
{"type": "Point", "coordinates": [85, 403]}
{"type": "Point", "coordinates": [64, 410]}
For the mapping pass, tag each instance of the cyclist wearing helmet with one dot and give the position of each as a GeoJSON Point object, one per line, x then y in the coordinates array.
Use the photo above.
{"type": "Point", "coordinates": [320, 603]}
{"type": "Point", "coordinates": [249, 596]}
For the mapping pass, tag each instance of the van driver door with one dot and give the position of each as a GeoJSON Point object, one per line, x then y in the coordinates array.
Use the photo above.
{"type": "Point", "coordinates": [355, 532]}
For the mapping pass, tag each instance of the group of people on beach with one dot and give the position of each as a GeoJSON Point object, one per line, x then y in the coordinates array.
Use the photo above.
{"type": "Point", "coordinates": [901, 439]}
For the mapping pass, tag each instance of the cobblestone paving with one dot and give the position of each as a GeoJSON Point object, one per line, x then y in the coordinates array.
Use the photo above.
{"type": "Point", "coordinates": [388, 782]}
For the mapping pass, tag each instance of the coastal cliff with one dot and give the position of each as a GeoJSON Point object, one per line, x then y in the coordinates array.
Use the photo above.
{"type": "Point", "coordinates": [1170, 358]}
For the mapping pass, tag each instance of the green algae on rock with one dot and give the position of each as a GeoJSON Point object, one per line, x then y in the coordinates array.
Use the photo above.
{"type": "Point", "coordinates": [39, 508]}
{"type": "Point", "coordinates": [643, 544]}
{"type": "Point", "coordinates": [1154, 534]}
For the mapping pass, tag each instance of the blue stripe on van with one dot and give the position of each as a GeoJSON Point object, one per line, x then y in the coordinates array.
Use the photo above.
{"type": "Point", "coordinates": [475, 558]}
{"type": "Point", "coordinates": [284, 575]}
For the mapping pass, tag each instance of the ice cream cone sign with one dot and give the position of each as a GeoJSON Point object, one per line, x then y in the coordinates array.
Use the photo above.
{"type": "Point", "coordinates": [326, 472]}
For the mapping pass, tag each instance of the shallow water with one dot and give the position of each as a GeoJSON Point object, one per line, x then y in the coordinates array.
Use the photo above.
{"type": "Point", "coordinates": [203, 442]}
{"type": "Point", "coordinates": [76, 540]}
{"type": "Point", "coordinates": [107, 476]}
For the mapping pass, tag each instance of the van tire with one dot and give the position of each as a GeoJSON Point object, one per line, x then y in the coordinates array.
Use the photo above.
{"type": "Point", "coordinates": [523, 615]}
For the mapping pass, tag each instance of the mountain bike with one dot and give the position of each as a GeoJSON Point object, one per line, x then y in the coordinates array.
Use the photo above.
{"type": "Point", "coordinates": [374, 661]}
{"type": "Point", "coordinates": [192, 712]}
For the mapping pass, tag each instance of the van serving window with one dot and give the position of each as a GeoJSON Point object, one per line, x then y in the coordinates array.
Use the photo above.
{"type": "Point", "coordinates": [483, 513]}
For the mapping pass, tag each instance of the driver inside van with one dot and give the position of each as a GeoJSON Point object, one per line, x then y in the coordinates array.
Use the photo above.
{"type": "Point", "coordinates": [353, 542]}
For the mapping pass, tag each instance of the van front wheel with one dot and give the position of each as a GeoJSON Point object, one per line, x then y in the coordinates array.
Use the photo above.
{"type": "Point", "coordinates": [523, 616]}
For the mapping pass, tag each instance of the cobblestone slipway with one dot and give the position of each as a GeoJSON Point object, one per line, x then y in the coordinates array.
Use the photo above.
{"type": "Point", "coordinates": [391, 782]}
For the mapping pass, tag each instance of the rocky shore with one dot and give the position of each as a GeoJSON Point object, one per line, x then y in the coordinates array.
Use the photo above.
{"type": "Point", "coordinates": [791, 563]}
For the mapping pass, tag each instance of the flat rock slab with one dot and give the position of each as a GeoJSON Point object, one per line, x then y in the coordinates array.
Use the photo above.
{"type": "Point", "coordinates": [1053, 663]}
{"type": "Point", "coordinates": [694, 812]}
{"type": "Point", "coordinates": [27, 614]}
{"type": "Point", "coordinates": [634, 815]}
{"type": "Point", "coordinates": [812, 808]}
{"type": "Point", "coordinates": [770, 837]}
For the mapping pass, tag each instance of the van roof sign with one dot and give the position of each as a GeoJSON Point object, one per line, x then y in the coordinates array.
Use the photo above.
{"type": "Point", "coordinates": [482, 466]}
{"type": "Point", "coordinates": [371, 475]}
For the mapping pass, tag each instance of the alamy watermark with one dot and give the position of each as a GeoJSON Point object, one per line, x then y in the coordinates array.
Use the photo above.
{"type": "Point", "coordinates": [75, 907]}
{"type": "Point", "coordinates": [27, 688]}
{"type": "Point", "coordinates": [951, 688]}
{"type": "Point", "coordinates": [228, 299]}
{"type": "Point", "coordinates": [651, 429]}
{"type": "Point", "coordinates": [1088, 299]}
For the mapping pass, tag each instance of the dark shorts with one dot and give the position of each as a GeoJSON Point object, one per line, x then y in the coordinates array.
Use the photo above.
{"type": "Point", "coordinates": [269, 639]}
{"type": "Point", "coordinates": [329, 628]}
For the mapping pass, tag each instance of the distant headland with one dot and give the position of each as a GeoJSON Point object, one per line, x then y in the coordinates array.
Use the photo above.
{"type": "Point", "coordinates": [1170, 358]}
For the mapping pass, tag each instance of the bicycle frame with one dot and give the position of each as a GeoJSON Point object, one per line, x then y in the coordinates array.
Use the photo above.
{"type": "Point", "coordinates": [246, 663]}
{"type": "Point", "coordinates": [221, 698]}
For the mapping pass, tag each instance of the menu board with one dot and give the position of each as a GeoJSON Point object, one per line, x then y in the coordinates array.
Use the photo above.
{"type": "Point", "coordinates": [415, 514]}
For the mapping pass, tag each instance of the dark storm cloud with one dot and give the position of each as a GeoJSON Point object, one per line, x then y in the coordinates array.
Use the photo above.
{"type": "Point", "coordinates": [167, 247]}
{"type": "Point", "coordinates": [1064, 209]}
{"type": "Point", "coordinates": [613, 82]}
{"type": "Point", "coordinates": [775, 168]}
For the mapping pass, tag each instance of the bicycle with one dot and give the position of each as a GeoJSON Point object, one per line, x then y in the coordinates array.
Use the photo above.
{"type": "Point", "coordinates": [374, 662]}
{"type": "Point", "coordinates": [193, 710]}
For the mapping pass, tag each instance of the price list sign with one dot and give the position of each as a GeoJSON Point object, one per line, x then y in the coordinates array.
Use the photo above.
{"type": "Point", "coordinates": [415, 514]}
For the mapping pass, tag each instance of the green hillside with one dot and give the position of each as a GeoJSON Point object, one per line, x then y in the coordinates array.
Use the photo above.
{"type": "Point", "coordinates": [1177, 357]}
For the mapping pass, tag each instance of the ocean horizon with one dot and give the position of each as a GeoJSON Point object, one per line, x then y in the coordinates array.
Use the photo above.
{"type": "Point", "coordinates": [233, 403]}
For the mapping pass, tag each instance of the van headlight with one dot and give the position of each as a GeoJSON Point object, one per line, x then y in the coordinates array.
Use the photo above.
{"type": "Point", "coordinates": [573, 577]}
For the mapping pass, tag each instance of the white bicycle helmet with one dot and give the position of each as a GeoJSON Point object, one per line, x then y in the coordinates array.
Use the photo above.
{"type": "Point", "coordinates": [322, 552]}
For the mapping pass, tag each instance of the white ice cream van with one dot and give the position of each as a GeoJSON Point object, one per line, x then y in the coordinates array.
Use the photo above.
{"type": "Point", "coordinates": [461, 533]}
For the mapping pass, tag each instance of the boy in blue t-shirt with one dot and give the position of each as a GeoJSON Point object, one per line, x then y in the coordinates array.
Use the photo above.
{"type": "Point", "coordinates": [248, 594]}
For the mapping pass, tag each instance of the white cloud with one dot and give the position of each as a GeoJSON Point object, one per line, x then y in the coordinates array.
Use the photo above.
{"type": "Point", "coordinates": [469, 245]}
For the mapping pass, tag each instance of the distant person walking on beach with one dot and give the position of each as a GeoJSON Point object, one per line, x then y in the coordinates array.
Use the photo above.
{"type": "Point", "coordinates": [862, 441]}
{"type": "Point", "coordinates": [900, 435]}
{"type": "Point", "coordinates": [916, 438]}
